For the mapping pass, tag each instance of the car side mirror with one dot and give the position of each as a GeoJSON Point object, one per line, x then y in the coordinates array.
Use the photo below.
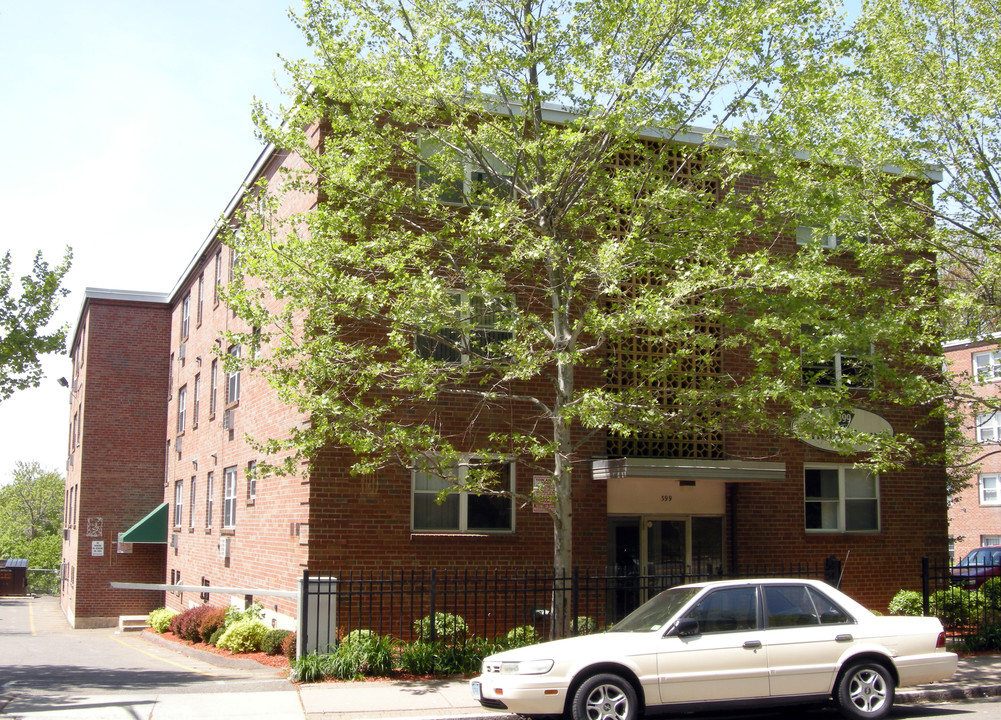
{"type": "Point", "coordinates": [686, 627]}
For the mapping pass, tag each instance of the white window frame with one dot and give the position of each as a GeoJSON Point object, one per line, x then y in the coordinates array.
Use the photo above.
{"type": "Point", "coordinates": [461, 299]}
{"type": "Point", "coordinates": [813, 235]}
{"type": "Point", "coordinates": [229, 497]}
{"type": "Point", "coordinates": [462, 499]}
{"type": "Point", "coordinates": [989, 427]}
{"type": "Point", "coordinates": [191, 503]}
{"type": "Point", "coordinates": [209, 500]}
{"type": "Point", "coordinates": [213, 387]}
{"type": "Point", "coordinates": [186, 316]}
{"type": "Point", "coordinates": [987, 366]}
{"type": "Point", "coordinates": [837, 365]}
{"type": "Point", "coordinates": [233, 379]}
{"type": "Point", "coordinates": [182, 403]}
{"type": "Point", "coordinates": [196, 401]}
{"type": "Point", "coordinates": [429, 146]}
{"type": "Point", "coordinates": [178, 503]}
{"type": "Point", "coordinates": [990, 489]}
{"type": "Point", "coordinates": [842, 502]}
{"type": "Point", "coordinates": [990, 540]}
{"type": "Point", "coordinates": [252, 480]}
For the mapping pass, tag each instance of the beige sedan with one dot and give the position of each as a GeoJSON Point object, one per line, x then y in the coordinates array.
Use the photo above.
{"type": "Point", "coordinates": [709, 645]}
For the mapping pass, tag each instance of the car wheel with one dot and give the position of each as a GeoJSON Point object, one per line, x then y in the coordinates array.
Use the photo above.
{"type": "Point", "coordinates": [605, 697]}
{"type": "Point", "coordinates": [865, 692]}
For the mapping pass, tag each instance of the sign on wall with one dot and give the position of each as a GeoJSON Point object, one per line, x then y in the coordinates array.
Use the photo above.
{"type": "Point", "coordinates": [856, 420]}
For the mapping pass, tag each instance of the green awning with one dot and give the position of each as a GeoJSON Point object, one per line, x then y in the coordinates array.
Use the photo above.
{"type": "Point", "coordinates": [151, 529]}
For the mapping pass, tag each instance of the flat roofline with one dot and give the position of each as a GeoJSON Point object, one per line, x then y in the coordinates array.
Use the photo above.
{"type": "Point", "coordinates": [130, 296]}
{"type": "Point", "coordinates": [950, 344]}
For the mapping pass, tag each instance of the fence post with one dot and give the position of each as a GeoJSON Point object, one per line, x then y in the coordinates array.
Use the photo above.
{"type": "Point", "coordinates": [434, 620]}
{"type": "Point", "coordinates": [925, 586]}
{"type": "Point", "coordinates": [302, 640]}
{"type": "Point", "coordinates": [575, 599]}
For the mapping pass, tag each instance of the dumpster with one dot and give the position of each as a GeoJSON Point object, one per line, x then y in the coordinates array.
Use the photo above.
{"type": "Point", "coordinates": [14, 577]}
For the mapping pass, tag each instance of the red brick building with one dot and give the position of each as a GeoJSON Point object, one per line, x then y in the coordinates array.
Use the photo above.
{"type": "Point", "coordinates": [707, 505]}
{"type": "Point", "coordinates": [975, 513]}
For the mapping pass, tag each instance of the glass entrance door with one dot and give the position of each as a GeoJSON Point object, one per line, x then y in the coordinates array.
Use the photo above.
{"type": "Point", "coordinates": [648, 554]}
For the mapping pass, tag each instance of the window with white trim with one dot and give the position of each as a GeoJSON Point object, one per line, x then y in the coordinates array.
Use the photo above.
{"type": "Point", "coordinates": [196, 401]}
{"type": "Point", "coordinates": [462, 512]}
{"type": "Point", "coordinates": [178, 503]}
{"type": "Point", "coordinates": [990, 540]}
{"type": "Point", "coordinates": [191, 504]}
{"type": "Point", "coordinates": [841, 499]}
{"type": "Point", "coordinates": [252, 480]}
{"type": "Point", "coordinates": [185, 316]}
{"type": "Point", "coordinates": [481, 178]}
{"type": "Point", "coordinates": [213, 387]}
{"type": "Point", "coordinates": [478, 332]}
{"type": "Point", "coordinates": [229, 497]}
{"type": "Point", "coordinates": [182, 403]}
{"type": "Point", "coordinates": [987, 366]}
{"type": "Point", "coordinates": [209, 490]}
{"type": "Point", "coordinates": [990, 489]}
{"type": "Point", "coordinates": [849, 366]}
{"type": "Point", "coordinates": [233, 378]}
{"type": "Point", "coordinates": [989, 427]}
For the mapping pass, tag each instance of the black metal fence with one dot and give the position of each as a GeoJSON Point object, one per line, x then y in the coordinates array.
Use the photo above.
{"type": "Point", "coordinates": [967, 599]}
{"type": "Point", "coordinates": [493, 603]}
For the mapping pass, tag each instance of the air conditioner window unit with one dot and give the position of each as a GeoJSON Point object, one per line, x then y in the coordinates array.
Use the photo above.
{"type": "Point", "coordinates": [225, 546]}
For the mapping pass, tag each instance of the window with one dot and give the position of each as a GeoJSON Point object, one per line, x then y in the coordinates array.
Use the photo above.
{"type": "Point", "coordinates": [209, 489]}
{"type": "Point", "coordinates": [987, 366]}
{"type": "Point", "coordinates": [850, 366]}
{"type": "Point", "coordinates": [185, 316]}
{"type": "Point", "coordinates": [178, 503]}
{"type": "Point", "coordinates": [462, 511]}
{"type": "Point", "coordinates": [191, 504]}
{"type": "Point", "coordinates": [213, 387]}
{"type": "Point", "coordinates": [229, 497]}
{"type": "Point", "coordinates": [199, 312]}
{"type": "Point", "coordinates": [798, 606]}
{"type": "Point", "coordinates": [233, 378]}
{"type": "Point", "coordinates": [218, 277]}
{"type": "Point", "coordinates": [478, 331]}
{"type": "Point", "coordinates": [472, 182]}
{"type": "Point", "coordinates": [182, 401]}
{"type": "Point", "coordinates": [990, 489]}
{"type": "Point", "coordinates": [841, 499]}
{"type": "Point", "coordinates": [812, 232]}
{"type": "Point", "coordinates": [196, 401]}
{"type": "Point", "coordinates": [727, 610]}
{"type": "Point", "coordinates": [990, 540]}
{"type": "Point", "coordinates": [809, 235]}
{"type": "Point", "coordinates": [989, 427]}
{"type": "Point", "coordinates": [252, 480]}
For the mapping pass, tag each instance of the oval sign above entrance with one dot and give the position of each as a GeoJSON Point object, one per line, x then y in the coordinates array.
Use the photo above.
{"type": "Point", "coordinates": [855, 419]}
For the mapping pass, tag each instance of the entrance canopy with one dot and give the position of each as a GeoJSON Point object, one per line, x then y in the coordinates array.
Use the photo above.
{"type": "Point", "coordinates": [728, 470]}
{"type": "Point", "coordinates": [151, 529]}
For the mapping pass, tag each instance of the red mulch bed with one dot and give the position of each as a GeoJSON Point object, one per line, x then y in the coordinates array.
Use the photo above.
{"type": "Point", "coordinates": [276, 661]}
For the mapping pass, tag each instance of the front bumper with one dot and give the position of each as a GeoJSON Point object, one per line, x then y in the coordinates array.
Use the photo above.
{"type": "Point", "coordinates": [522, 694]}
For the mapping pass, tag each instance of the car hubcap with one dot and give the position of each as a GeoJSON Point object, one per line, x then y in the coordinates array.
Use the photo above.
{"type": "Point", "coordinates": [867, 691]}
{"type": "Point", "coordinates": [607, 702]}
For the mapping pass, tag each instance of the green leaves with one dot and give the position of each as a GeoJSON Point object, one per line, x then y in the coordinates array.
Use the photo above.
{"type": "Point", "coordinates": [24, 318]}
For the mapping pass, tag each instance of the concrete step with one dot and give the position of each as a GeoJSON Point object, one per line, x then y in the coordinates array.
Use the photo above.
{"type": "Point", "coordinates": [132, 622]}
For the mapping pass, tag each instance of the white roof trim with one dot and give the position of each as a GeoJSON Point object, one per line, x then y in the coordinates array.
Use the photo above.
{"type": "Point", "coordinates": [728, 470]}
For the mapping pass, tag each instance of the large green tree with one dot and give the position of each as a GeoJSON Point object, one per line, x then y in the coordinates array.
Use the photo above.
{"type": "Point", "coordinates": [24, 320]}
{"type": "Point", "coordinates": [31, 515]}
{"type": "Point", "coordinates": [512, 194]}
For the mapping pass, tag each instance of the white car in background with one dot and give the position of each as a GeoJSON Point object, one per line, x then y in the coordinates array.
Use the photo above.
{"type": "Point", "coordinates": [708, 645]}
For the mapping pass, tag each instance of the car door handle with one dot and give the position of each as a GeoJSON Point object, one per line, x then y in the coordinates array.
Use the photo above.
{"type": "Point", "coordinates": [843, 638]}
{"type": "Point", "coordinates": [752, 644]}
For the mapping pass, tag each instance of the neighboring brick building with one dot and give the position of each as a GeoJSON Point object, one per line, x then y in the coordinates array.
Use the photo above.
{"type": "Point", "coordinates": [115, 466]}
{"type": "Point", "coordinates": [702, 503]}
{"type": "Point", "coordinates": [975, 514]}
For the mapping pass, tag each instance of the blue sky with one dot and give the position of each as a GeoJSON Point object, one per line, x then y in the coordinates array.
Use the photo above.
{"type": "Point", "coordinates": [127, 129]}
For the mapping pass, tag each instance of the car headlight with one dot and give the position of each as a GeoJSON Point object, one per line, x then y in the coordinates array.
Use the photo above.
{"type": "Point", "coordinates": [527, 667]}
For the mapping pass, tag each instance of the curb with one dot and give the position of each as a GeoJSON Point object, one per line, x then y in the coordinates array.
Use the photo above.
{"type": "Point", "coordinates": [230, 663]}
{"type": "Point", "coordinates": [947, 694]}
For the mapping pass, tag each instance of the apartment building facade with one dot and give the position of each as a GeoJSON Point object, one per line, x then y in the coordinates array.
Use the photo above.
{"type": "Point", "coordinates": [975, 513]}
{"type": "Point", "coordinates": [704, 504]}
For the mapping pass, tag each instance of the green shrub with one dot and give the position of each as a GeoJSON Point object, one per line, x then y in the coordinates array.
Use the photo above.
{"type": "Point", "coordinates": [216, 634]}
{"type": "Point", "coordinates": [519, 636]}
{"type": "Point", "coordinates": [986, 639]}
{"type": "Point", "coordinates": [458, 659]}
{"type": "Point", "coordinates": [234, 614]}
{"type": "Point", "coordinates": [586, 625]}
{"type": "Point", "coordinates": [160, 619]}
{"type": "Point", "coordinates": [906, 602]}
{"type": "Point", "coordinates": [955, 606]}
{"type": "Point", "coordinates": [272, 642]}
{"type": "Point", "coordinates": [358, 636]}
{"type": "Point", "coordinates": [244, 635]}
{"type": "Point", "coordinates": [990, 593]}
{"type": "Point", "coordinates": [288, 647]}
{"type": "Point", "coordinates": [310, 668]}
{"type": "Point", "coordinates": [448, 628]}
{"type": "Point", "coordinates": [213, 620]}
{"type": "Point", "coordinates": [419, 658]}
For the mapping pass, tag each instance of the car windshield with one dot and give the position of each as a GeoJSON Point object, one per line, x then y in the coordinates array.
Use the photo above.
{"type": "Point", "coordinates": [981, 556]}
{"type": "Point", "coordinates": [656, 612]}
